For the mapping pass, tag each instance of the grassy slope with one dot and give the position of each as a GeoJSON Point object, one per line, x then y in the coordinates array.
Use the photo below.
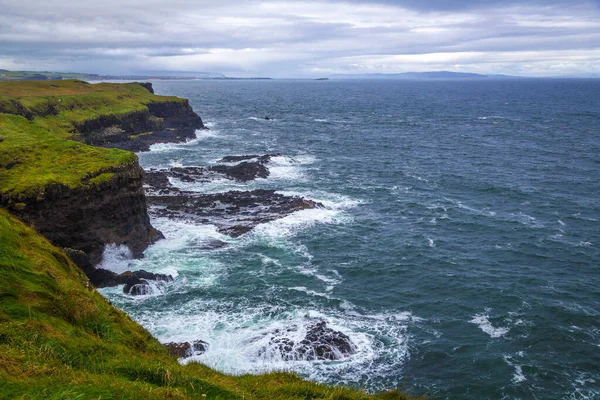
{"type": "Point", "coordinates": [19, 75]}
{"type": "Point", "coordinates": [34, 152]}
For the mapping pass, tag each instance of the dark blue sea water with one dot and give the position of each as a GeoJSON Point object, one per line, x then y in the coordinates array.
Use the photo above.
{"type": "Point", "coordinates": [459, 246]}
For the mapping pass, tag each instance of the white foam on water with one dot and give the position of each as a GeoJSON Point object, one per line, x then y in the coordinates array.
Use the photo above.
{"type": "Point", "coordinates": [518, 375]}
{"type": "Point", "coordinates": [483, 322]}
{"type": "Point", "coordinates": [331, 201]}
{"type": "Point", "coordinates": [291, 224]}
{"type": "Point", "coordinates": [116, 258]}
{"type": "Point", "coordinates": [177, 163]}
{"type": "Point", "coordinates": [261, 119]}
{"type": "Point", "coordinates": [214, 186]}
{"type": "Point", "coordinates": [308, 291]}
{"type": "Point", "coordinates": [491, 117]}
{"type": "Point", "coordinates": [431, 242]}
{"type": "Point", "coordinates": [286, 168]}
{"type": "Point", "coordinates": [203, 134]}
{"type": "Point", "coordinates": [473, 210]}
{"type": "Point", "coordinates": [170, 147]}
{"type": "Point", "coordinates": [525, 219]}
{"type": "Point", "coordinates": [181, 235]}
{"type": "Point", "coordinates": [241, 341]}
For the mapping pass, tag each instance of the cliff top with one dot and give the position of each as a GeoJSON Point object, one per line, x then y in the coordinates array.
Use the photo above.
{"type": "Point", "coordinates": [36, 118]}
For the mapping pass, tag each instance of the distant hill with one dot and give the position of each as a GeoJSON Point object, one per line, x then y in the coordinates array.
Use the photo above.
{"type": "Point", "coordinates": [420, 75]}
{"type": "Point", "coordinates": [6, 75]}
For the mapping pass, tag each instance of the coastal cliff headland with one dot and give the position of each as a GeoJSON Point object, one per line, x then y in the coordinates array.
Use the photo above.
{"type": "Point", "coordinates": [67, 189]}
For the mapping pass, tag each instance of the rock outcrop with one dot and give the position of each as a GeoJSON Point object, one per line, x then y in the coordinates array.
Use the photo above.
{"type": "Point", "coordinates": [319, 343]}
{"type": "Point", "coordinates": [91, 216]}
{"type": "Point", "coordinates": [163, 122]}
{"type": "Point", "coordinates": [186, 349]}
{"type": "Point", "coordinates": [233, 213]}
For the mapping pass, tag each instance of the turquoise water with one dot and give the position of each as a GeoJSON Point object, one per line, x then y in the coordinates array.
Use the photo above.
{"type": "Point", "coordinates": [458, 247]}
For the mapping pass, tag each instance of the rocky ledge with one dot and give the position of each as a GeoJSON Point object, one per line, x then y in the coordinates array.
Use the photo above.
{"type": "Point", "coordinates": [187, 349]}
{"type": "Point", "coordinates": [162, 122]}
{"type": "Point", "coordinates": [234, 212]}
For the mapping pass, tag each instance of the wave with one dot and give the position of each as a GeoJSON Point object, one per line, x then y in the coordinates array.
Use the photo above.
{"type": "Point", "coordinates": [116, 258]}
{"type": "Point", "coordinates": [241, 341]}
{"type": "Point", "coordinates": [483, 322]}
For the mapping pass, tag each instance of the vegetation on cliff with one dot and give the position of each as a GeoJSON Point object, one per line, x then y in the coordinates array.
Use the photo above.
{"type": "Point", "coordinates": [32, 158]}
{"type": "Point", "coordinates": [36, 118]}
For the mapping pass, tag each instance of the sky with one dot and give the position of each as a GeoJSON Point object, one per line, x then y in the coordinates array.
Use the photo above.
{"type": "Point", "coordinates": [301, 38]}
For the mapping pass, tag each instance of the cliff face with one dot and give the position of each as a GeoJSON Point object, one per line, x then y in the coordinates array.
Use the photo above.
{"type": "Point", "coordinates": [163, 122]}
{"type": "Point", "coordinates": [83, 197]}
{"type": "Point", "coordinates": [88, 217]}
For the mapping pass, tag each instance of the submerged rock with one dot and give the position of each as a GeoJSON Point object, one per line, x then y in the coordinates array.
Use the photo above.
{"type": "Point", "coordinates": [261, 159]}
{"type": "Point", "coordinates": [319, 343]}
{"type": "Point", "coordinates": [137, 282]}
{"type": "Point", "coordinates": [186, 349]}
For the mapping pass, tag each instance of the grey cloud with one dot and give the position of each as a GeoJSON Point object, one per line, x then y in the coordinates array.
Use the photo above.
{"type": "Point", "coordinates": [299, 38]}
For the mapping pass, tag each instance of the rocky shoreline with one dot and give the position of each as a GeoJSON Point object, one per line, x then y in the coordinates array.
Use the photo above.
{"type": "Point", "coordinates": [113, 205]}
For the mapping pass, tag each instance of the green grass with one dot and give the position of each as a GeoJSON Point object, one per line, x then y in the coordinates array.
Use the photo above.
{"type": "Point", "coordinates": [32, 158]}
{"type": "Point", "coordinates": [61, 106]}
{"type": "Point", "coordinates": [36, 118]}
{"type": "Point", "coordinates": [60, 339]}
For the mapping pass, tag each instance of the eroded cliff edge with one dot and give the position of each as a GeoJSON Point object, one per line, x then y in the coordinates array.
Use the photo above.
{"type": "Point", "coordinates": [79, 196]}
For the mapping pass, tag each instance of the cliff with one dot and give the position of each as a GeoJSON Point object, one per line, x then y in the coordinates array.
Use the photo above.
{"type": "Point", "coordinates": [127, 116]}
{"type": "Point", "coordinates": [87, 217]}
{"type": "Point", "coordinates": [79, 196]}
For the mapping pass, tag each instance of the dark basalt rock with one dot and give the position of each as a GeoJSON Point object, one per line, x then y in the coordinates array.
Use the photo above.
{"type": "Point", "coordinates": [261, 159]}
{"type": "Point", "coordinates": [136, 283]}
{"type": "Point", "coordinates": [100, 277]}
{"type": "Point", "coordinates": [87, 218]}
{"type": "Point", "coordinates": [163, 122]}
{"type": "Point", "coordinates": [136, 286]}
{"type": "Point", "coordinates": [158, 182]}
{"type": "Point", "coordinates": [234, 212]}
{"type": "Point", "coordinates": [319, 343]}
{"type": "Point", "coordinates": [186, 349]}
{"type": "Point", "coordinates": [244, 171]}
{"type": "Point", "coordinates": [147, 85]}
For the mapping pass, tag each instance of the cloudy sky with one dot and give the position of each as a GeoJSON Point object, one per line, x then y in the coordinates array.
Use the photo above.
{"type": "Point", "coordinates": [301, 38]}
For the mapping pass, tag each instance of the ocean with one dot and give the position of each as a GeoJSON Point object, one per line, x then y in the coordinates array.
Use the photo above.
{"type": "Point", "coordinates": [458, 245]}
